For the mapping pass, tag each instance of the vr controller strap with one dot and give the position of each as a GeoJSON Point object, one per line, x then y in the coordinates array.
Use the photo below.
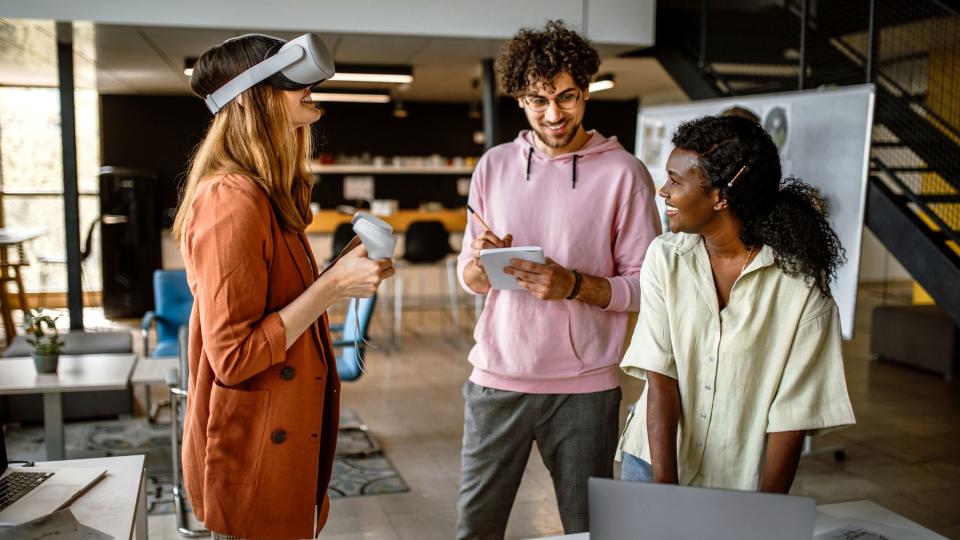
{"type": "Point", "coordinates": [252, 76]}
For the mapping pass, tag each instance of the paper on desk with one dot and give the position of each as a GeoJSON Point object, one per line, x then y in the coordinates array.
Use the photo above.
{"type": "Point", "coordinates": [855, 529]}
{"type": "Point", "coordinates": [58, 525]}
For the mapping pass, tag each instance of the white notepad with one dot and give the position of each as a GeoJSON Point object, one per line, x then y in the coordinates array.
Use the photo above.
{"type": "Point", "coordinates": [495, 260]}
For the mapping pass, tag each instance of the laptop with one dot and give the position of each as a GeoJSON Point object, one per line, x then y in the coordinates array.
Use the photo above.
{"type": "Point", "coordinates": [638, 510]}
{"type": "Point", "coordinates": [27, 493]}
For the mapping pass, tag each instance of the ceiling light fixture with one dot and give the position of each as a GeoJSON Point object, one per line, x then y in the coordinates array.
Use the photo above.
{"type": "Point", "coordinates": [374, 73]}
{"type": "Point", "coordinates": [188, 64]}
{"type": "Point", "coordinates": [350, 96]}
{"type": "Point", "coordinates": [603, 82]}
{"type": "Point", "coordinates": [399, 111]}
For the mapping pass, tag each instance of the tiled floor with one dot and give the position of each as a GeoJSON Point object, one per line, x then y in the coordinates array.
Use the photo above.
{"type": "Point", "coordinates": [903, 454]}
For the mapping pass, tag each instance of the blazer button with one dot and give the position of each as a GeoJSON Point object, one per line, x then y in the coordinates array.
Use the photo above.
{"type": "Point", "coordinates": [287, 373]}
{"type": "Point", "coordinates": [278, 436]}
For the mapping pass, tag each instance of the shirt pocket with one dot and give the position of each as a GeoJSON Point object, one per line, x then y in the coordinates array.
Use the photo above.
{"type": "Point", "coordinates": [235, 431]}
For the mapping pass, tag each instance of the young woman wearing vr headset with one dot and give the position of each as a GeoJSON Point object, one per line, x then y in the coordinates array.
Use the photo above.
{"type": "Point", "coordinates": [261, 424]}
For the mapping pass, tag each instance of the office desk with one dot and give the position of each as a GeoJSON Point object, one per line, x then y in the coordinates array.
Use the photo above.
{"type": "Point", "coordinates": [74, 374]}
{"type": "Point", "coordinates": [117, 504]}
{"type": "Point", "coordinates": [828, 516]}
{"type": "Point", "coordinates": [326, 221]}
{"type": "Point", "coordinates": [13, 237]}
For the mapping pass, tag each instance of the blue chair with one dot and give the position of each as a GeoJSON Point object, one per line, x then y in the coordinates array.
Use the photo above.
{"type": "Point", "coordinates": [173, 302]}
{"type": "Point", "coordinates": [350, 366]}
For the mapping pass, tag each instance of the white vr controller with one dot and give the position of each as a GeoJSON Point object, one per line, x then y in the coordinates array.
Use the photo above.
{"type": "Point", "coordinates": [376, 235]}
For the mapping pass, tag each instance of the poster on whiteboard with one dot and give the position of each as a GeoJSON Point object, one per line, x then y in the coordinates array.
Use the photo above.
{"type": "Point", "coordinates": [824, 138]}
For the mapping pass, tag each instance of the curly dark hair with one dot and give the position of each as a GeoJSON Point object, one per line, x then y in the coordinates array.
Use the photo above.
{"type": "Point", "coordinates": [788, 215]}
{"type": "Point", "coordinates": [535, 55]}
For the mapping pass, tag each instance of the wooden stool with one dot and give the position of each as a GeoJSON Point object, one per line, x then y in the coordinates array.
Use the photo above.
{"type": "Point", "coordinates": [10, 272]}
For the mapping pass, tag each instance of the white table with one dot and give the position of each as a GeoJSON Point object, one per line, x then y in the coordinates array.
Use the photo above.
{"type": "Point", "coordinates": [828, 516]}
{"type": "Point", "coordinates": [154, 370]}
{"type": "Point", "coordinates": [81, 373]}
{"type": "Point", "coordinates": [117, 504]}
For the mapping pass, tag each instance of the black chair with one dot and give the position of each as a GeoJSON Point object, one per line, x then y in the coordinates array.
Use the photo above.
{"type": "Point", "coordinates": [426, 243]}
{"type": "Point", "coordinates": [342, 236]}
{"type": "Point", "coordinates": [46, 260]}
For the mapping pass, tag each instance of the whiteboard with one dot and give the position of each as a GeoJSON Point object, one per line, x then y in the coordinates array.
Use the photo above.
{"type": "Point", "coordinates": [824, 139]}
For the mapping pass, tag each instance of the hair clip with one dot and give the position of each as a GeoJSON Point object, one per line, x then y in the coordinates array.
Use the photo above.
{"type": "Point", "coordinates": [741, 171]}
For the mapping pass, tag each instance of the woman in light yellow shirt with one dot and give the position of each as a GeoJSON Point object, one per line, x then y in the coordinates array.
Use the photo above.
{"type": "Point", "coordinates": [738, 336]}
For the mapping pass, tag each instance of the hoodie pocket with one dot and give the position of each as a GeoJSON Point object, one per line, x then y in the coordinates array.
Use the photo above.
{"type": "Point", "coordinates": [235, 442]}
{"type": "Point", "coordinates": [524, 337]}
{"type": "Point", "coordinates": [597, 336]}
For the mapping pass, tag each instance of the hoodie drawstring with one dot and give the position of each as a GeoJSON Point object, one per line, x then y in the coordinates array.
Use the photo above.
{"type": "Point", "coordinates": [575, 158]}
{"type": "Point", "coordinates": [575, 171]}
{"type": "Point", "coordinates": [529, 159]}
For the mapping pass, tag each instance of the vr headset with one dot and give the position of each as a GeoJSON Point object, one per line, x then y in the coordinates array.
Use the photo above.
{"type": "Point", "coordinates": [289, 65]}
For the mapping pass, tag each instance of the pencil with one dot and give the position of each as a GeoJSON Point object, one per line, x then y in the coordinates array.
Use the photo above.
{"type": "Point", "coordinates": [480, 219]}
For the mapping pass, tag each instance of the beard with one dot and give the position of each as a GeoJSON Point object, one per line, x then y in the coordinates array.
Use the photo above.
{"type": "Point", "coordinates": [554, 142]}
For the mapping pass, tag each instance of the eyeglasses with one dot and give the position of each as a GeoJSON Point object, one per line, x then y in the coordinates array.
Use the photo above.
{"type": "Point", "coordinates": [566, 101]}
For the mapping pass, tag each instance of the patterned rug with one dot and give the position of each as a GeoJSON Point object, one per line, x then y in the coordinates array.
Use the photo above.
{"type": "Point", "coordinates": [352, 476]}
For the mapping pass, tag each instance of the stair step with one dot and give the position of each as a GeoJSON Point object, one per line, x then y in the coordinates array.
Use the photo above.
{"type": "Point", "coordinates": [939, 197]}
{"type": "Point", "coordinates": [902, 170]}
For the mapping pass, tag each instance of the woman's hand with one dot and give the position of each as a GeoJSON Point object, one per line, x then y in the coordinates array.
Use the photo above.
{"type": "Point", "coordinates": [352, 275]}
{"type": "Point", "coordinates": [357, 276]}
{"type": "Point", "coordinates": [354, 242]}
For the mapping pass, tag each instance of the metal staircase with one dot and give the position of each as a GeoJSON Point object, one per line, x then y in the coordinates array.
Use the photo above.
{"type": "Point", "coordinates": [909, 50]}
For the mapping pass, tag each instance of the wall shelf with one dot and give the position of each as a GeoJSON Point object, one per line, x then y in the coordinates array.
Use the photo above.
{"type": "Point", "coordinates": [318, 168]}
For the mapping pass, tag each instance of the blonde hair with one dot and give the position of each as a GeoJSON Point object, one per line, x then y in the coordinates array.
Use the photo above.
{"type": "Point", "coordinates": [255, 139]}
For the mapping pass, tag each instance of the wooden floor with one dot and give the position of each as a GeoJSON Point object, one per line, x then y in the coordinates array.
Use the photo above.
{"type": "Point", "coordinates": [904, 453]}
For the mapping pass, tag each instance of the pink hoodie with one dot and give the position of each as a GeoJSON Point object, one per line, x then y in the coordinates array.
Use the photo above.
{"type": "Point", "coordinates": [592, 210]}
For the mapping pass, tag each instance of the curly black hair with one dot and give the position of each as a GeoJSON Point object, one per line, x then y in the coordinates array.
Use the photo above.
{"type": "Point", "coordinates": [534, 55]}
{"type": "Point", "coordinates": [788, 215]}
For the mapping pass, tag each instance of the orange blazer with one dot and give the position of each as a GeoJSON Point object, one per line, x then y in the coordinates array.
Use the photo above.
{"type": "Point", "coordinates": [261, 424]}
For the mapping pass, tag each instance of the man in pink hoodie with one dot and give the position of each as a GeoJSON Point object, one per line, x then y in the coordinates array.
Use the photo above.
{"type": "Point", "coordinates": [545, 359]}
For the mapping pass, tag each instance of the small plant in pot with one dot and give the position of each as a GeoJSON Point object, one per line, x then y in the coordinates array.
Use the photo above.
{"type": "Point", "coordinates": [42, 334]}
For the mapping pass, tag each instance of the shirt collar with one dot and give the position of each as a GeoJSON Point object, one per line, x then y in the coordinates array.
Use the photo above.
{"type": "Point", "coordinates": [692, 241]}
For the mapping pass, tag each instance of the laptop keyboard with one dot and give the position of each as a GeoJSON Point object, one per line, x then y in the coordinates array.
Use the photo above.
{"type": "Point", "coordinates": [17, 484]}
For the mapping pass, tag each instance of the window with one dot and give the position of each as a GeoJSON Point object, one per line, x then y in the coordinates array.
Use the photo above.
{"type": "Point", "coordinates": [31, 177]}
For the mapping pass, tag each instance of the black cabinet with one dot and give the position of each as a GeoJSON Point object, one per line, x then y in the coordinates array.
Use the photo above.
{"type": "Point", "coordinates": [130, 240]}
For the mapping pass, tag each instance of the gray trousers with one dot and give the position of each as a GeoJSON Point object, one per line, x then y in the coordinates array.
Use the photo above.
{"type": "Point", "coordinates": [576, 435]}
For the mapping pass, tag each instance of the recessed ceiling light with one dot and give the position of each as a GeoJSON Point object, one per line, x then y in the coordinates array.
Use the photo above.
{"type": "Point", "coordinates": [188, 64]}
{"type": "Point", "coordinates": [350, 96]}
{"type": "Point", "coordinates": [603, 82]}
{"type": "Point", "coordinates": [370, 73]}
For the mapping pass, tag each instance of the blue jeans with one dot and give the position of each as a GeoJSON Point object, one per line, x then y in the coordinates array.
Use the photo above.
{"type": "Point", "coordinates": [634, 469]}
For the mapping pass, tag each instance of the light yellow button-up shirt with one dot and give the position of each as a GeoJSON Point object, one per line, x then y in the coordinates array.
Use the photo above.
{"type": "Point", "coordinates": [769, 362]}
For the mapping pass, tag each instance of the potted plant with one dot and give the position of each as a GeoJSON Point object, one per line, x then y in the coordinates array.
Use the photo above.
{"type": "Point", "coordinates": [47, 345]}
